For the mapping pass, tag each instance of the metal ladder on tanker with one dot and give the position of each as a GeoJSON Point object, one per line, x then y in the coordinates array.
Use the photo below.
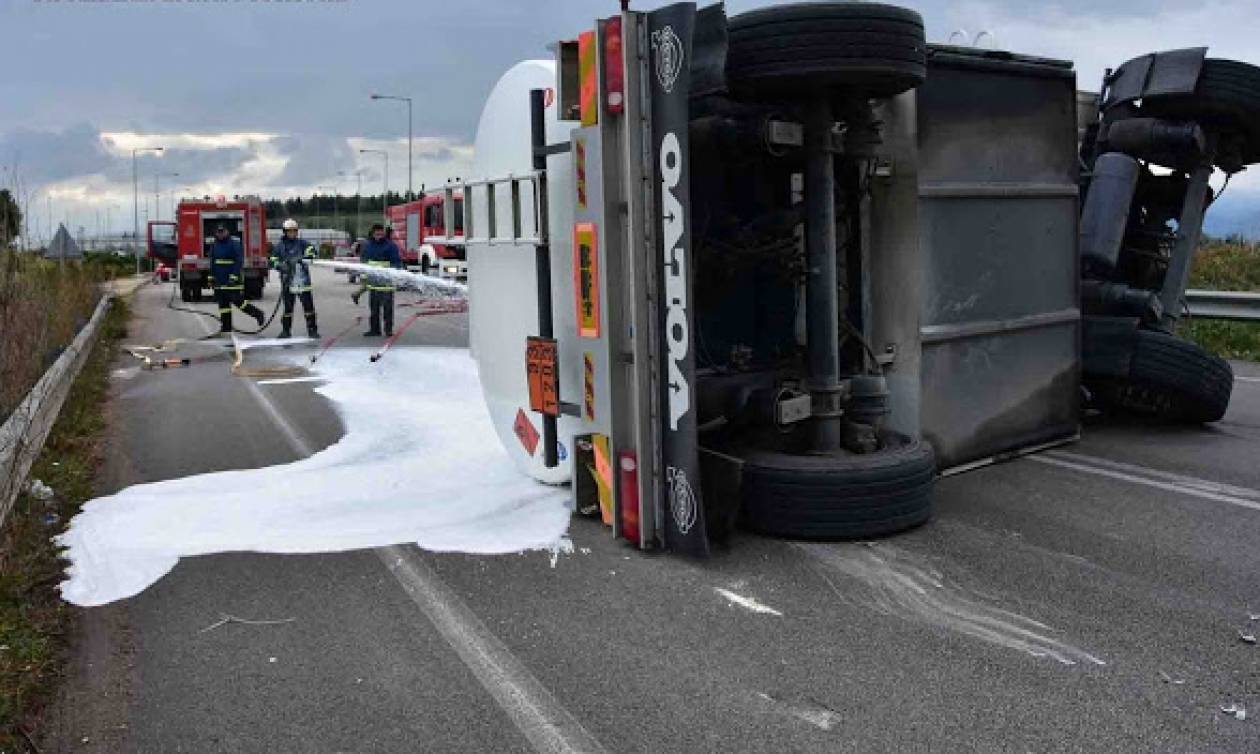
{"type": "Point", "coordinates": [542, 349]}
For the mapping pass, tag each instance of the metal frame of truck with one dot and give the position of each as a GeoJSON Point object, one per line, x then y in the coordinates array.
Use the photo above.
{"type": "Point", "coordinates": [985, 371]}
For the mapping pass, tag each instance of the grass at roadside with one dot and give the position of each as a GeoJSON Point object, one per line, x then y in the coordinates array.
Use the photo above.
{"type": "Point", "coordinates": [33, 619]}
{"type": "Point", "coordinates": [43, 305]}
{"type": "Point", "coordinates": [1226, 266]}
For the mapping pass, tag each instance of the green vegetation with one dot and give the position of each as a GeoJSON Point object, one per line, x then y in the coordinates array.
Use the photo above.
{"type": "Point", "coordinates": [350, 213]}
{"type": "Point", "coordinates": [42, 306]}
{"type": "Point", "coordinates": [34, 622]}
{"type": "Point", "coordinates": [1230, 265]}
{"type": "Point", "coordinates": [10, 218]}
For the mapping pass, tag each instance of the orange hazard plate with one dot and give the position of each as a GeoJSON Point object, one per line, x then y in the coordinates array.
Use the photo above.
{"type": "Point", "coordinates": [540, 369]}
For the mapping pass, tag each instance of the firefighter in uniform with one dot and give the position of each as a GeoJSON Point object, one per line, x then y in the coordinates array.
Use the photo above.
{"type": "Point", "coordinates": [291, 256]}
{"type": "Point", "coordinates": [380, 251]}
{"type": "Point", "coordinates": [227, 261]}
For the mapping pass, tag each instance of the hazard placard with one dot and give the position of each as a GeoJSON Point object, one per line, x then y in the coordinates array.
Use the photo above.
{"type": "Point", "coordinates": [588, 385]}
{"type": "Point", "coordinates": [586, 279]}
{"type": "Point", "coordinates": [525, 432]}
{"type": "Point", "coordinates": [540, 370]}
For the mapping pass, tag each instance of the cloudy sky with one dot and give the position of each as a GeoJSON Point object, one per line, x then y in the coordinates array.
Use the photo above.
{"type": "Point", "coordinates": [271, 96]}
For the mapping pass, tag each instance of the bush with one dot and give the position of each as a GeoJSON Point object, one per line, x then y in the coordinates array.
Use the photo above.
{"type": "Point", "coordinates": [1231, 265]}
{"type": "Point", "coordinates": [43, 305]}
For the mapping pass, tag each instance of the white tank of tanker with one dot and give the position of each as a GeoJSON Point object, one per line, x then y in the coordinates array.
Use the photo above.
{"type": "Point", "coordinates": [502, 293]}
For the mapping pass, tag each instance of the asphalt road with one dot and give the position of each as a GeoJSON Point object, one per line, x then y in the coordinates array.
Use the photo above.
{"type": "Point", "coordinates": [1087, 599]}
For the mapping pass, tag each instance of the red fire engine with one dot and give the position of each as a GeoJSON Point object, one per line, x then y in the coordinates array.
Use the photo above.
{"type": "Point", "coordinates": [414, 221]}
{"type": "Point", "coordinates": [197, 219]}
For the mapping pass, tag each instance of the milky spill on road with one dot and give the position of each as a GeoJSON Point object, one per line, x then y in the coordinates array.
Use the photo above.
{"type": "Point", "coordinates": [419, 462]}
{"type": "Point", "coordinates": [898, 583]}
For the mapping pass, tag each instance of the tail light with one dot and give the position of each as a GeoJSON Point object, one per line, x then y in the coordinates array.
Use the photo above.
{"type": "Point", "coordinates": [614, 67]}
{"type": "Point", "coordinates": [628, 478]}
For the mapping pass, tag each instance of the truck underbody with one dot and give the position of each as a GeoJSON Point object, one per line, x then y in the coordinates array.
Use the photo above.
{"type": "Point", "coordinates": [787, 268]}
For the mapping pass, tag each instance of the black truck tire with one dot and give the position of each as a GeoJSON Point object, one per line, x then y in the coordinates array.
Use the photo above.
{"type": "Point", "coordinates": [1227, 97]}
{"type": "Point", "coordinates": [862, 49]}
{"type": "Point", "coordinates": [1169, 379]}
{"type": "Point", "coordinates": [846, 496]}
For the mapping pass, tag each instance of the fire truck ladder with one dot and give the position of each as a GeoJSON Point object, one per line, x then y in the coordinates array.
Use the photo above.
{"type": "Point", "coordinates": [487, 190]}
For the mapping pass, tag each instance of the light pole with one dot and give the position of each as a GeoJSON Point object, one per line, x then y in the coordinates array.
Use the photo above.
{"type": "Point", "coordinates": [410, 196]}
{"type": "Point", "coordinates": [385, 195]}
{"type": "Point", "coordinates": [135, 202]}
{"type": "Point", "coordinates": [358, 200]}
{"type": "Point", "coordinates": [157, 194]}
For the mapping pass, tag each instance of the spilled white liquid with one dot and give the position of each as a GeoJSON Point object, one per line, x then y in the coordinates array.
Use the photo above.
{"type": "Point", "coordinates": [402, 278]}
{"type": "Point", "coordinates": [418, 463]}
{"type": "Point", "coordinates": [900, 583]}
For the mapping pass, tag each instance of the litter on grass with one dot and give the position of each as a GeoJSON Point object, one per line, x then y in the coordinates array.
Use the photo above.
{"type": "Point", "coordinates": [419, 463]}
{"type": "Point", "coordinates": [40, 491]}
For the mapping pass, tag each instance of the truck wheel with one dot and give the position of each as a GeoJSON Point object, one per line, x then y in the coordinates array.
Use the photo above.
{"type": "Point", "coordinates": [185, 294]}
{"type": "Point", "coordinates": [426, 266]}
{"type": "Point", "coordinates": [863, 49]}
{"type": "Point", "coordinates": [1169, 379]}
{"type": "Point", "coordinates": [845, 496]}
{"type": "Point", "coordinates": [1227, 97]}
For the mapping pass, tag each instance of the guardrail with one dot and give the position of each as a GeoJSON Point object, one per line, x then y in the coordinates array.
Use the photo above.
{"type": "Point", "coordinates": [1234, 305]}
{"type": "Point", "coordinates": [22, 435]}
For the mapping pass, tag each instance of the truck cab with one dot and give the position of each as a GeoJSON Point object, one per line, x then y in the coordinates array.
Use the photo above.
{"type": "Point", "coordinates": [197, 219]}
{"type": "Point", "coordinates": [414, 221]}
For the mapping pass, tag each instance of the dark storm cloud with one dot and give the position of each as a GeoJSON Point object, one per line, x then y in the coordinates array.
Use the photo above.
{"type": "Point", "coordinates": [313, 158]}
{"type": "Point", "coordinates": [49, 156]}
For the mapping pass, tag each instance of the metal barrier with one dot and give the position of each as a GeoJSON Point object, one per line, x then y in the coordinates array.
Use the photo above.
{"type": "Point", "coordinates": [1235, 305]}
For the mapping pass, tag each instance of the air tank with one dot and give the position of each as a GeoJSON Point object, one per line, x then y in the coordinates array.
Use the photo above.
{"type": "Point", "coordinates": [1106, 213]}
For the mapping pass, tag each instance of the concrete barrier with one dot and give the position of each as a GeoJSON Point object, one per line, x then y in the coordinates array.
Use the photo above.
{"type": "Point", "coordinates": [23, 434]}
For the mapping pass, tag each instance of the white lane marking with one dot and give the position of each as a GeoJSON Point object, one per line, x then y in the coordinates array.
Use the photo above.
{"type": "Point", "coordinates": [748, 603]}
{"type": "Point", "coordinates": [291, 380]}
{"type": "Point", "coordinates": [1205, 485]}
{"type": "Point", "coordinates": [295, 439]}
{"type": "Point", "coordinates": [547, 725]}
{"type": "Point", "coordinates": [1246, 379]}
{"type": "Point", "coordinates": [1111, 473]}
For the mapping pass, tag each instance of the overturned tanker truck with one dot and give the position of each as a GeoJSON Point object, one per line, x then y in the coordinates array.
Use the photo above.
{"type": "Point", "coordinates": [782, 268]}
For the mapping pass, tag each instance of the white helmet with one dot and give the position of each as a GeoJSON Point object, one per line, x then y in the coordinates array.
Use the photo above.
{"type": "Point", "coordinates": [290, 224]}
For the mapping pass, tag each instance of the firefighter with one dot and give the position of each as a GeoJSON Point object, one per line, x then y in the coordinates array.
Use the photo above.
{"type": "Point", "coordinates": [380, 251]}
{"type": "Point", "coordinates": [227, 261]}
{"type": "Point", "coordinates": [291, 256]}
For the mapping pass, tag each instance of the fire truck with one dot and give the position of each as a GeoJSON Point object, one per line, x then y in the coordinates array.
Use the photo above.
{"type": "Point", "coordinates": [194, 230]}
{"type": "Point", "coordinates": [415, 221]}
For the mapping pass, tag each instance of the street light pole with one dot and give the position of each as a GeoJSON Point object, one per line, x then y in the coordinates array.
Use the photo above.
{"type": "Point", "coordinates": [385, 195]}
{"type": "Point", "coordinates": [410, 195]}
{"type": "Point", "coordinates": [135, 203]}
